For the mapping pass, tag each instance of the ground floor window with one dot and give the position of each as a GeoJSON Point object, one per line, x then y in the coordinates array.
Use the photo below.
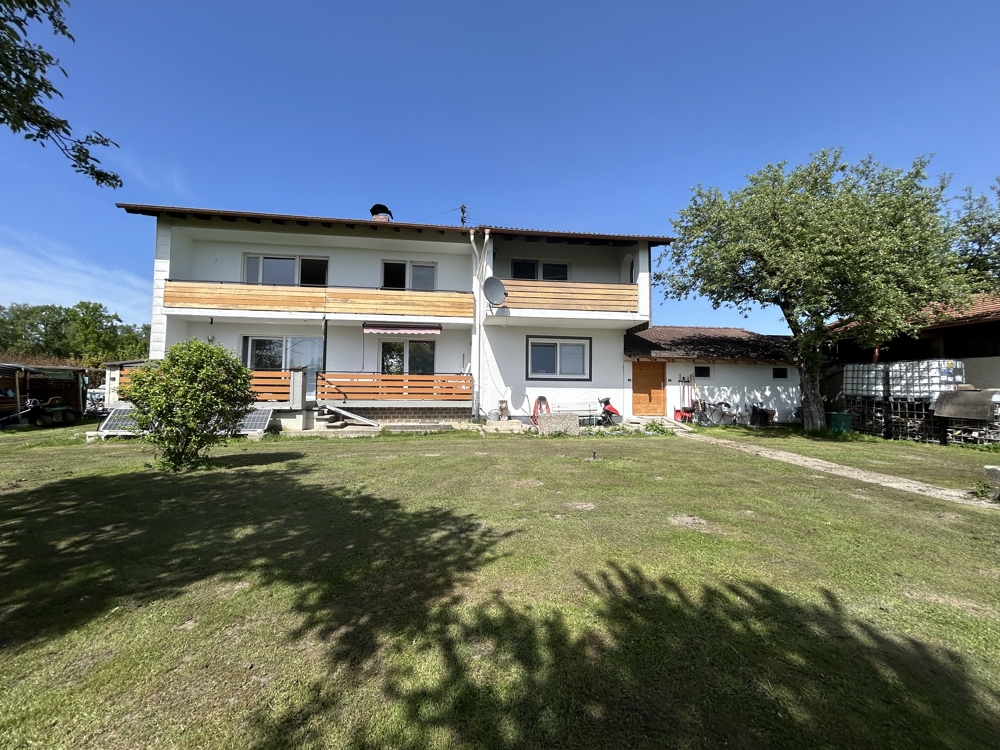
{"type": "Point", "coordinates": [406, 357]}
{"type": "Point", "coordinates": [563, 358]}
{"type": "Point", "coordinates": [703, 371]}
{"type": "Point", "coordinates": [284, 352]}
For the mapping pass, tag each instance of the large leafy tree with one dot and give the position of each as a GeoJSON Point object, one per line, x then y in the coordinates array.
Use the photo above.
{"type": "Point", "coordinates": [978, 237]}
{"type": "Point", "coordinates": [25, 86]}
{"type": "Point", "coordinates": [861, 246]}
{"type": "Point", "coordinates": [192, 399]}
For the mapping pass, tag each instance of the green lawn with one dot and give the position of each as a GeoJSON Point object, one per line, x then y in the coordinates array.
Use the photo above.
{"type": "Point", "coordinates": [499, 592]}
{"type": "Point", "coordinates": [956, 466]}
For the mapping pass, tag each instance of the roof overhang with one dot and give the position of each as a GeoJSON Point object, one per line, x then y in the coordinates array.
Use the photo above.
{"type": "Point", "coordinates": [572, 238]}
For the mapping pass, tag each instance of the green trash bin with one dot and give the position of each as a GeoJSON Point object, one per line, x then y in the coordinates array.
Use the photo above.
{"type": "Point", "coordinates": [838, 421]}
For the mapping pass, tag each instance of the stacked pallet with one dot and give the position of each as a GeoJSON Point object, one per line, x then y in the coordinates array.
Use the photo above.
{"type": "Point", "coordinates": [896, 400]}
{"type": "Point", "coordinates": [866, 392]}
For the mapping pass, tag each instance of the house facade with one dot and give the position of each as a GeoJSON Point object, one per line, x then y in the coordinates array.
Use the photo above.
{"type": "Point", "coordinates": [390, 321]}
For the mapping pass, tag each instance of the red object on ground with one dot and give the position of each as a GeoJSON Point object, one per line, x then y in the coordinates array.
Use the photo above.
{"type": "Point", "coordinates": [534, 412]}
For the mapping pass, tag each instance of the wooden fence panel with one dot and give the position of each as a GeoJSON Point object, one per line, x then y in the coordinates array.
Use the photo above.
{"type": "Point", "coordinates": [271, 385]}
{"type": "Point", "coordinates": [333, 386]}
{"type": "Point", "coordinates": [208, 295]}
{"type": "Point", "coordinates": [571, 295]}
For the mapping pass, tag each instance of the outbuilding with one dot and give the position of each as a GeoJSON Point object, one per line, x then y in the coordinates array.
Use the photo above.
{"type": "Point", "coordinates": [675, 366]}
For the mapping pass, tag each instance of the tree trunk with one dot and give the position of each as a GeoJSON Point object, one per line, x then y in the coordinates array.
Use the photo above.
{"type": "Point", "coordinates": [813, 417]}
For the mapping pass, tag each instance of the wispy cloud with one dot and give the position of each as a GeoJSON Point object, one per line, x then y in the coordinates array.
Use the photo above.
{"type": "Point", "coordinates": [39, 271]}
{"type": "Point", "coordinates": [156, 177]}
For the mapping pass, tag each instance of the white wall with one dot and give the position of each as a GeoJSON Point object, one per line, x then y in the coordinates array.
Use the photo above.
{"type": "Point", "coordinates": [739, 384]}
{"type": "Point", "coordinates": [228, 334]}
{"type": "Point", "coordinates": [983, 372]}
{"type": "Point", "coordinates": [350, 265]}
{"type": "Point", "coordinates": [503, 371]}
{"type": "Point", "coordinates": [595, 263]}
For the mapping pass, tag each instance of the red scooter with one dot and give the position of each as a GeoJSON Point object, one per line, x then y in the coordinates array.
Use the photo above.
{"type": "Point", "coordinates": [609, 415]}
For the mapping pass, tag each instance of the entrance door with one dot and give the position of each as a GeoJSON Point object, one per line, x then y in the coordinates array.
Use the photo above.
{"type": "Point", "coordinates": [649, 380]}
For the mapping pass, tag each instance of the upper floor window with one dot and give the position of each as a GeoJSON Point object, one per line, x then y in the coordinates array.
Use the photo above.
{"type": "Point", "coordinates": [779, 373]}
{"type": "Point", "coordinates": [286, 270]}
{"type": "Point", "coordinates": [528, 269]}
{"type": "Point", "coordinates": [524, 269]}
{"type": "Point", "coordinates": [703, 371]}
{"type": "Point", "coordinates": [408, 275]}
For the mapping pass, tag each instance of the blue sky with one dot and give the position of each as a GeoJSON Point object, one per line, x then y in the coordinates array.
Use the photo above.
{"type": "Point", "coordinates": [568, 115]}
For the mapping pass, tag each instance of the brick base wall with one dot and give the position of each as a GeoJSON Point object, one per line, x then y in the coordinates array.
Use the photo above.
{"type": "Point", "coordinates": [414, 414]}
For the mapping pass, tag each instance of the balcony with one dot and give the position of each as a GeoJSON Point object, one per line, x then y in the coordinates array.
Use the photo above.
{"type": "Point", "coordinates": [571, 295]}
{"type": "Point", "coordinates": [346, 300]}
{"type": "Point", "coordinates": [370, 386]}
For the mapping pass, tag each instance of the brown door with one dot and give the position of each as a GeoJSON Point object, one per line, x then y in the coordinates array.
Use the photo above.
{"type": "Point", "coordinates": [649, 394]}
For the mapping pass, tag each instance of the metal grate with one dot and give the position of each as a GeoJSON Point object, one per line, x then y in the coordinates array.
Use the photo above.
{"type": "Point", "coordinates": [913, 419]}
{"type": "Point", "coordinates": [974, 431]}
{"type": "Point", "coordinates": [869, 414]}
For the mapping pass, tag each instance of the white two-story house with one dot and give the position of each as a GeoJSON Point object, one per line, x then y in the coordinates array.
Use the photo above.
{"type": "Point", "coordinates": [389, 319]}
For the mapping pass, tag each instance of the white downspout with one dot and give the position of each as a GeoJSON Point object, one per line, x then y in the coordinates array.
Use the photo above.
{"type": "Point", "coordinates": [479, 262]}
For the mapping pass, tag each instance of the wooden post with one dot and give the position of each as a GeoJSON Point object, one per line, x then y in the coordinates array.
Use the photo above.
{"type": "Point", "coordinates": [17, 393]}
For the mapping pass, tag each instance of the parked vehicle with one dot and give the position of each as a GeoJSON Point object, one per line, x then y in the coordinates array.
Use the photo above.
{"type": "Point", "coordinates": [52, 412]}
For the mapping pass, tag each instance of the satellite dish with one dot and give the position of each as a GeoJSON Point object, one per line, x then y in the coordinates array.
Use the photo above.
{"type": "Point", "coordinates": [494, 291]}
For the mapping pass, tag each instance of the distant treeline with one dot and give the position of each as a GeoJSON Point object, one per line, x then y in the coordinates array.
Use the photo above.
{"type": "Point", "coordinates": [86, 334]}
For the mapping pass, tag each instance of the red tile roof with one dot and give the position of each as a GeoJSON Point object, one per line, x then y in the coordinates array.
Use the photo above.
{"type": "Point", "coordinates": [705, 342]}
{"type": "Point", "coordinates": [986, 307]}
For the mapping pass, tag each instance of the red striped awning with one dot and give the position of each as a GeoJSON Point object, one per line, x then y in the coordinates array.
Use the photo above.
{"type": "Point", "coordinates": [401, 330]}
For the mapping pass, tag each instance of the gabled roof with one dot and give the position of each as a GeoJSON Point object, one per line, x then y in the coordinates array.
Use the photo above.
{"type": "Point", "coordinates": [706, 342]}
{"type": "Point", "coordinates": [208, 214]}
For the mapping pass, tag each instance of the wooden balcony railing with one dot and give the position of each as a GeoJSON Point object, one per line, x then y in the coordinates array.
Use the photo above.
{"type": "Point", "coordinates": [268, 298]}
{"type": "Point", "coordinates": [571, 295]}
{"type": "Point", "coordinates": [271, 385]}
{"type": "Point", "coordinates": [268, 385]}
{"type": "Point", "coordinates": [370, 386]}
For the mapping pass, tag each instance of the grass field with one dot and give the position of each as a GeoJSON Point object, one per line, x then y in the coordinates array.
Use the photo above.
{"type": "Point", "coordinates": [957, 467]}
{"type": "Point", "coordinates": [499, 592]}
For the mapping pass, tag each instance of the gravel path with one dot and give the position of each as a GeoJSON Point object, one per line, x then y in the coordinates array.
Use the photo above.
{"type": "Point", "coordinates": [860, 475]}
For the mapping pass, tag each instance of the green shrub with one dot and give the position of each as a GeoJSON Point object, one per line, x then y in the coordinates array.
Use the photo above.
{"type": "Point", "coordinates": [189, 401]}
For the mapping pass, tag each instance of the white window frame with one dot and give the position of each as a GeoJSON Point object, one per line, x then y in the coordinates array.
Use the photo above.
{"type": "Point", "coordinates": [588, 357]}
{"type": "Point", "coordinates": [248, 345]}
{"type": "Point", "coordinates": [539, 262]}
{"type": "Point", "coordinates": [406, 350]}
{"type": "Point", "coordinates": [298, 267]}
{"type": "Point", "coordinates": [711, 372]}
{"type": "Point", "coordinates": [786, 368]}
{"type": "Point", "coordinates": [409, 273]}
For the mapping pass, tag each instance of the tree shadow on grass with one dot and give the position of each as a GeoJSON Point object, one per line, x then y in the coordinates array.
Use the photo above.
{"type": "Point", "coordinates": [741, 666]}
{"type": "Point", "coordinates": [361, 565]}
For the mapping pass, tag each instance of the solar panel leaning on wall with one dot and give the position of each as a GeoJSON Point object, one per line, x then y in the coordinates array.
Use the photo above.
{"type": "Point", "coordinates": [121, 422]}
